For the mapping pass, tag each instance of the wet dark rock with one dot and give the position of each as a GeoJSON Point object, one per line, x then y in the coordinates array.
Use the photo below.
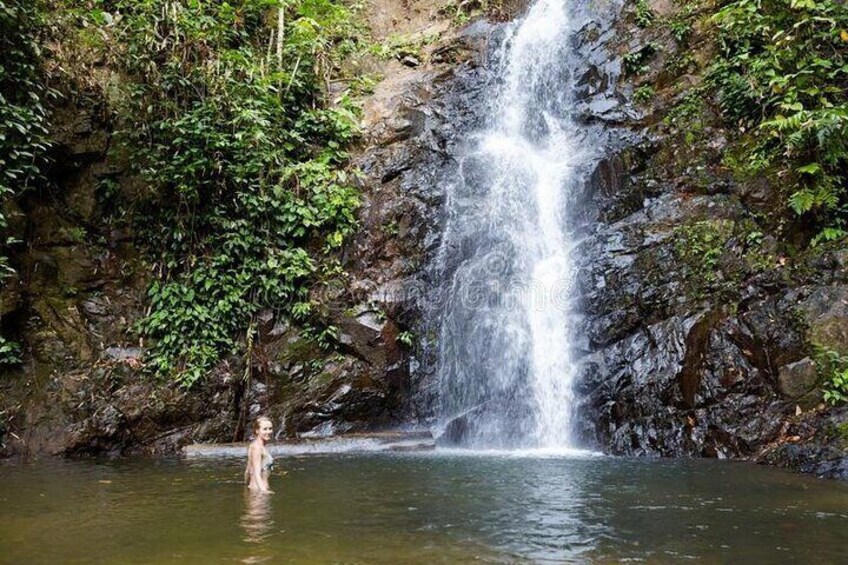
{"type": "Point", "coordinates": [683, 360]}
{"type": "Point", "coordinates": [674, 373]}
{"type": "Point", "coordinates": [814, 442]}
{"type": "Point", "coordinates": [368, 335]}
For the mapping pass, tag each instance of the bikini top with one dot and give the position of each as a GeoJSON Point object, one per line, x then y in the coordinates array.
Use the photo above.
{"type": "Point", "coordinates": [267, 460]}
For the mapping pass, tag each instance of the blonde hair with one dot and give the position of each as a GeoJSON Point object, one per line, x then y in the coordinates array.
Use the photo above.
{"type": "Point", "coordinates": [258, 422]}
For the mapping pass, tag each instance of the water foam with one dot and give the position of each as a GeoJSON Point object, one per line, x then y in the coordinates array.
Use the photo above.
{"type": "Point", "coordinates": [506, 369]}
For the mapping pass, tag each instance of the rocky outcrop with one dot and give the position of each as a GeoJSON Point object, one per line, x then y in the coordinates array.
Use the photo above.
{"type": "Point", "coordinates": [702, 325]}
{"type": "Point", "coordinates": [408, 165]}
{"type": "Point", "coordinates": [80, 286]}
{"type": "Point", "coordinates": [82, 282]}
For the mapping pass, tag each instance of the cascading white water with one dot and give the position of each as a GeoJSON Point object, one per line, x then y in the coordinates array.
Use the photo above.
{"type": "Point", "coordinates": [505, 368]}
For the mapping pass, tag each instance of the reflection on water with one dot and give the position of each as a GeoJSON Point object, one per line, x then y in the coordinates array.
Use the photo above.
{"type": "Point", "coordinates": [554, 512]}
{"type": "Point", "coordinates": [419, 508]}
{"type": "Point", "coordinates": [257, 521]}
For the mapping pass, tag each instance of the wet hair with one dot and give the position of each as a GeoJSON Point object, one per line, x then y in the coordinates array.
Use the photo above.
{"type": "Point", "coordinates": [258, 422]}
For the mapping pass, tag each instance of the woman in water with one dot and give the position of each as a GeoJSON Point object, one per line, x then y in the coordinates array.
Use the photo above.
{"type": "Point", "coordinates": [259, 461]}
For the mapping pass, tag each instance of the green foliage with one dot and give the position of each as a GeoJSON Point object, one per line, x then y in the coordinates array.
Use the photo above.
{"type": "Point", "coordinates": [681, 63]}
{"type": "Point", "coordinates": [23, 99]}
{"type": "Point", "coordinates": [700, 246]}
{"type": "Point", "coordinates": [830, 233]}
{"type": "Point", "coordinates": [244, 159]}
{"type": "Point", "coordinates": [717, 255]}
{"type": "Point", "coordinates": [837, 387]}
{"type": "Point", "coordinates": [463, 11]}
{"type": "Point", "coordinates": [754, 238]}
{"type": "Point", "coordinates": [703, 242]}
{"type": "Point", "coordinates": [391, 228]}
{"type": "Point", "coordinates": [24, 116]}
{"type": "Point", "coordinates": [364, 84]}
{"type": "Point", "coordinates": [636, 62]}
{"type": "Point", "coordinates": [10, 352]}
{"type": "Point", "coordinates": [780, 78]}
{"type": "Point", "coordinates": [687, 110]}
{"type": "Point", "coordinates": [325, 337]}
{"type": "Point", "coordinates": [644, 14]}
{"type": "Point", "coordinates": [400, 46]}
{"type": "Point", "coordinates": [834, 370]}
{"type": "Point", "coordinates": [680, 30]}
{"type": "Point", "coordinates": [644, 94]}
{"type": "Point", "coordinates": [757, 256]}
{"type": "Point", "coordinates": [406, 338]}
{"type": "Point", "coordinates": [458, 13]}
{"type": "Point", "coordinates": [680, 24]}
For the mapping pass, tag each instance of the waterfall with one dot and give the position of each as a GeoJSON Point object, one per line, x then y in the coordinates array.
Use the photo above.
{"type": "Point", "coordinates": [505, 363]}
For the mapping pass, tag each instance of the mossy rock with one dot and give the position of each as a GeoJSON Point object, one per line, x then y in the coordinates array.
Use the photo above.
{"type": "Point", "coordinates": [825, 313]}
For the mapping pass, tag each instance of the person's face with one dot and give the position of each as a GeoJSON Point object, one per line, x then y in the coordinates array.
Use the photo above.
{"type": "Point", "coordinates": [265, 430]}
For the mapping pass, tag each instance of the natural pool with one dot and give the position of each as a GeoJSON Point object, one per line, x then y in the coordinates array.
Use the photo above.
{"type": "Point", "coordinates": [434, 507]}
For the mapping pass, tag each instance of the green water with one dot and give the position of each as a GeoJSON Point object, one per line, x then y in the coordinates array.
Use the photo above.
{"type": "Point", "coordinates": [419, 508]}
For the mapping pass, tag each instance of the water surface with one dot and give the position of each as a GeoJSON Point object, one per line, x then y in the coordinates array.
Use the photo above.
{"type": "Point", "coordinates": [439, 507]}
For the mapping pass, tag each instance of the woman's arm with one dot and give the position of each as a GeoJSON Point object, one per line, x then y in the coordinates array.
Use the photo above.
{"type": "Point", "coordinates": [249, 462]}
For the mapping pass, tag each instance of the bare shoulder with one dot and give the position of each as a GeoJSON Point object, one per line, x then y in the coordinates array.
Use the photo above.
{"type": "Point", "coordinates": [254, 448]}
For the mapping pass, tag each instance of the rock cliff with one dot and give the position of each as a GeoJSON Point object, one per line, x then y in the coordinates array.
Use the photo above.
{"type": "Point", "coordinates": [82, 279]}
{"type": "Point", "coordinates": [701, 324]}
